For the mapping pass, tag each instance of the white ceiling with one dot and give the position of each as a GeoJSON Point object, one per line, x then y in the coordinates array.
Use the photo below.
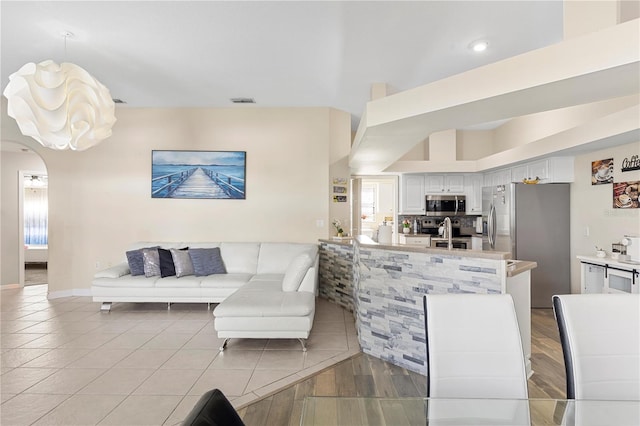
{"type": "Point", "coordinates": [283, 54]}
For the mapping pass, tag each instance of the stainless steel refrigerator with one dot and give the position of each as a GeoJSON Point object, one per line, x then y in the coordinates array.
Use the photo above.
{"type": "Point", "coordinates": [531, 222]}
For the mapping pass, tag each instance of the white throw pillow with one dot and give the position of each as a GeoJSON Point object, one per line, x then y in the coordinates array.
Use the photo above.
{"type": "Point", "coordinates": [295, 272]}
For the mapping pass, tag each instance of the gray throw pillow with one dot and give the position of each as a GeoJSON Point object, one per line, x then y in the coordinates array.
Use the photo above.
{"type": "Point", "coordinates": [182, 262]}
{"type": "Point", "coordinates": [151, 262]}
{"type": "Point", "coordinates": [136, 261]}
{"type": "Point", "coordinates": [207, 261]}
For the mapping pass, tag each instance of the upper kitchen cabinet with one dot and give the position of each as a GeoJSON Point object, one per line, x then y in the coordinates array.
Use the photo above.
{"type": "Point", "coordinates": [449, 184]}
{"type": "Point", "coordinates": [498, 177]}
{"type": "Point", "coordinates": [412, 194]}
{"type": "Point", "coordinates": [550, 170]}
{"type": "Point", "coordinates": [473, 184]}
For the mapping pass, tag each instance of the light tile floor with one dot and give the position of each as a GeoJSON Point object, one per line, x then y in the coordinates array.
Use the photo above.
{"type": "Point", "coordinates": [63, 362]}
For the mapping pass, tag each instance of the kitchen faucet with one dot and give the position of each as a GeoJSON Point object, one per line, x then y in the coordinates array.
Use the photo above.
{"type": "Point", "coordinates": [447, 232]}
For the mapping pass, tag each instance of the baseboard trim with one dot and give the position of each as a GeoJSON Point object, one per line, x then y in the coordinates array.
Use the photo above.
{"type": "Point", "coordinates": [11, 286]}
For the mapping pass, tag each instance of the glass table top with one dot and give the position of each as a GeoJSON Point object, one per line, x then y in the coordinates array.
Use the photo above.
{"type": "Point", "coordinates": [437, 411]}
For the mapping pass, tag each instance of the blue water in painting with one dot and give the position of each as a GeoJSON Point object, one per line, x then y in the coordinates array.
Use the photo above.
{"type": "Point", "coordinates": [158, 170]}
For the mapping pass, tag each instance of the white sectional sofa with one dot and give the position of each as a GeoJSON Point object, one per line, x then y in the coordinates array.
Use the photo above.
{"type": "Point", "coordinates": [268, 290]}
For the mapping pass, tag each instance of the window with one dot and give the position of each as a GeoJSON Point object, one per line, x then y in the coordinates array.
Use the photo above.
{"type": "Point", "coordinates": [36, 209]}
{"type": "Point", "coordinates": [369, 195]}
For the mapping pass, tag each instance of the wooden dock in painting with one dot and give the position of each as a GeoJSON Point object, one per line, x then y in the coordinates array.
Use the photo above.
{"type": "Point", "coordinates": [199, 185]}
{"type": "Point", "coordinates": [199, 182]}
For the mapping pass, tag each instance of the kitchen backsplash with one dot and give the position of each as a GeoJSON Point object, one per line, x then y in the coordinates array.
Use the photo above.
{"type": "Point", "coordinates": [467, 223]}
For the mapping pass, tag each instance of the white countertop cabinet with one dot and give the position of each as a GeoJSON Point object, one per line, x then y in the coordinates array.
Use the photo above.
{"type": "Point", "coordinates": [606, 275]}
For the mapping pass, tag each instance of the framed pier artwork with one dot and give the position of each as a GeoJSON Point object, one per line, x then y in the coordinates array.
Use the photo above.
{"type": "Point", "coordinates": [198, 174]}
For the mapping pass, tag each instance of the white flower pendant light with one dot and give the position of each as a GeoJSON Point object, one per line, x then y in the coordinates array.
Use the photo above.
{"type": "Point", "coordinates": [60, 106]}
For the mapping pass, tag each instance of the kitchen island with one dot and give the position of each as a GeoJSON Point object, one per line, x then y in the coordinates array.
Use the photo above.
{"type": "Point", "coordinates": [384, 284]}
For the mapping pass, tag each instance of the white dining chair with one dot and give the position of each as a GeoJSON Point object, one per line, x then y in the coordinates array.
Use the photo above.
{"type": "Point", "coordinates": [600, 337]}
{"type": "Point", "coordinates": [474, 349]}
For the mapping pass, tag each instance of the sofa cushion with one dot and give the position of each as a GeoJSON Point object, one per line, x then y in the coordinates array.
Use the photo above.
{"type": "Point", "coordinates": [240, 257]}
{"type": "Point", "coordinates": [175, 282]}
{"type": "Point", "coordinates": [182, 262]}
{"type": "Point", "coordinates": [151, 262]}
{"type": "Point", "coordinates": [276, 257]}
{"type": "Point", "coordinates": [207, 261]}
{"type": "Point", "coordinates": [114, 271]}
{"type": "Point", "coordinates": [266, 304]}
{"type": "Point", "coordinates": [139, 281]}
{"type": "Point", "coordinates": [295, 272]}
{"type": "Point", "coordinates": [225, 280]}
{"type": "Point", "coordinates": [268, 277]}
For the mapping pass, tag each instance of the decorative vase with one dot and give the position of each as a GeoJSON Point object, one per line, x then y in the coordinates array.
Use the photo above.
{"type": "Point", "coordinates": [340, 234]}
{"type": "Point", "coordinates": [406, 230]}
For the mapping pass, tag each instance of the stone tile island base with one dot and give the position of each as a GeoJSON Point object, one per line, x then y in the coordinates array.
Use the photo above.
{"type": "Point", "coordinates": [388, 282]}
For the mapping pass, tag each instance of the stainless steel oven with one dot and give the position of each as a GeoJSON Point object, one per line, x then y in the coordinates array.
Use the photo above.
{"type": "Point", "coordinates": [445, 205]}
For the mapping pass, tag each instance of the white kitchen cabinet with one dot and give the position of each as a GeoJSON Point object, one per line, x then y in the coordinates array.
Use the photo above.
{"type": "Point", "coordinates": [604, 275]}
{"type": "Point", "coordinates": [476, 243]}
{"type": "Point", "coordinates": [538, 169]}
{"type": "Point", "coordinates": [560, 169]}
{"type": "Point", "coordinates": [518, 173]}
{"type": "Point", "coordinates": [473, 184]}
{"type": "Point", "coordinates": [592, 278]}
{"type": "Point", "coordinates": [498, 177]}
{"type": "Point", "coordinates": [621, 281]}
{"type": "Point", "coordinates": [412, 194]}
{"type": "Point", "coordinates": [420, 240]}
{"type": "Point", "coordinates": [549, 170]}
{"type": "Point", "coordinates": [449, 184]}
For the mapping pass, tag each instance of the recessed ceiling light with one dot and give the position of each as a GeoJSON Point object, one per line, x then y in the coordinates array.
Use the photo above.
{"type": "Point", "coordinates": [479, 45]}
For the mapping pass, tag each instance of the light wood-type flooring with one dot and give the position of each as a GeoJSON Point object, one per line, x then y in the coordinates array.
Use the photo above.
{"type": "Point", "coordinates": [364, 375]}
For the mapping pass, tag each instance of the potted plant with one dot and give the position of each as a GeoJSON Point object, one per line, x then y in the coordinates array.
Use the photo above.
{"type": "Point", "coordinates": [338, 226]}
{"type": "Point", "coordinates": [406, 226]}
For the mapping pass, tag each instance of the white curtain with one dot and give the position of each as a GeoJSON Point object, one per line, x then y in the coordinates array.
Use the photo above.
{"type": "Point", "coordinates": [36, 221]}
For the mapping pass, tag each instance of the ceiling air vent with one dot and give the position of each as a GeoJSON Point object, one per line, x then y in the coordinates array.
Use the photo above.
{"type": "Point", "coordinates": [243, 100]}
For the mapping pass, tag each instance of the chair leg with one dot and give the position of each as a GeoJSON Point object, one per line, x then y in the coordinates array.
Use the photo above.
{"type": "Point", "coordinates": [224, 344]}
{"type": "Point", "coordinates": [304, 346]}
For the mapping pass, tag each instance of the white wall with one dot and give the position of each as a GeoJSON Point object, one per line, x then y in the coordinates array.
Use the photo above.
{"type": "Point", "coordinates": [592, 207]}
{"type": "Point", "coordinates": [100, 202]}
{"type": "Point", "coordinates": [11, 163]}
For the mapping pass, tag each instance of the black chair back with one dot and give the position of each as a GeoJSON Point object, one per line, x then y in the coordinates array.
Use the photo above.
{"type": "Point", "coordinates": [213, 409]}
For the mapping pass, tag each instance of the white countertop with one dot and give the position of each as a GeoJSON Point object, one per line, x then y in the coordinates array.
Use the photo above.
{"type": "Point", "coordinates": [609, 261]}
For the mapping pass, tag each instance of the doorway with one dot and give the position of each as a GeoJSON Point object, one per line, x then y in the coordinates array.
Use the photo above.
{"type": "Point", "coordinates": [34, 226]}
{"type": "Point", "coordinates": [375, 205]}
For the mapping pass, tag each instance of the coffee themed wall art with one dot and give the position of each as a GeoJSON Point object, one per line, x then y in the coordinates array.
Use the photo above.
{"type": "Point", "coordinates": [602, 172]}
{"type": "Point", "coordinates": [625, 195]}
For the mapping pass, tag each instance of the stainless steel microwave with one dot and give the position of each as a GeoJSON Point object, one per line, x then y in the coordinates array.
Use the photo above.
{"type": "Point", "coordinates": [445, 205]}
